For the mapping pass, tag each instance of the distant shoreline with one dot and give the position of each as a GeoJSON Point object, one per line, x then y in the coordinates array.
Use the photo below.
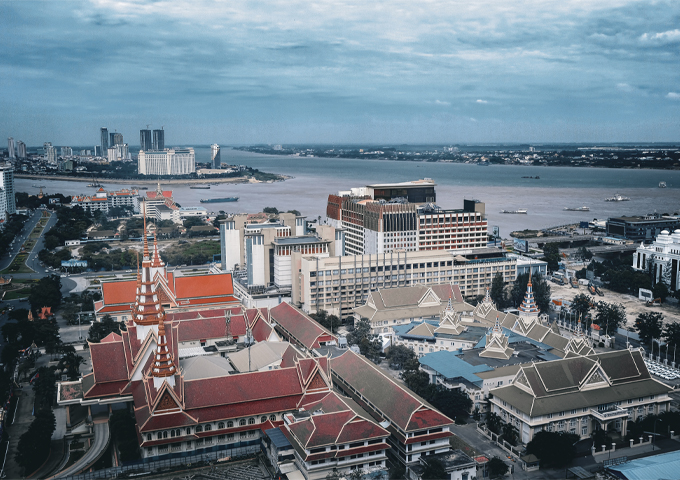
{"type": "Point", "coordinates": [137, 181]}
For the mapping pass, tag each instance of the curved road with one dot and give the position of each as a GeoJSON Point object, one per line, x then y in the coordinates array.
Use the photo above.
{"type": "Point", "coordinates": [101, 441]}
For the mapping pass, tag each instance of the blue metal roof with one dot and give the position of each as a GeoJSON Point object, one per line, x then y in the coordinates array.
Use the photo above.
{"type": "Point", "coordinates": [451, 366]}
{"type": "Point", "coordinates": [515, 338]}
{"type": "Point", "coordinates": [278, 438]}
{"type": "Point", "coordinates": [662, 467]}
{"type": "Point", "coordinates": [407, 327]}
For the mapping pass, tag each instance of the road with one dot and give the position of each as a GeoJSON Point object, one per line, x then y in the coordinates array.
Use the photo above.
{"type": "Point", "coordinates": [19, 240]}
{"type": "Point", "coordinates": [32, 259]}
{"type": "Point", "coordinates": [100, 442]}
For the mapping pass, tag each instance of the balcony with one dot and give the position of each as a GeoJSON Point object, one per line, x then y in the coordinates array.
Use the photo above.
{"type": "Point", "coordinates": [607, 415]}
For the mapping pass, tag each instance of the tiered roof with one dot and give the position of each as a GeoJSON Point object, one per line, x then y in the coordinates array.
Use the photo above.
{"type": "Point", "coordinates": [298, 328]}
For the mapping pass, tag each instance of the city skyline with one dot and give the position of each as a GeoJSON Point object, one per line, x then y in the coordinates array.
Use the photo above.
{"type": "Point", "coordinates": [342, 72]}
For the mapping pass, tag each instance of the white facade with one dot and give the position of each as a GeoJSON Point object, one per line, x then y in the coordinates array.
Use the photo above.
{"type": "Point", "coordinates": [7, 186]}
{"type": "Point", "coordinates": [664, 255]}
{"type": "Point", "coordinates": [112, 154]}
{"type": "Point", "coordinates": [11, 149]}
{"type": "Point", "coordinates": [215, 158]}
{"type": "Point", "coordinates": [230, 245]}
{"type": "Point", "coordinates": [178, 161]}
{"type": "Point", "coordinates": [255, 260]}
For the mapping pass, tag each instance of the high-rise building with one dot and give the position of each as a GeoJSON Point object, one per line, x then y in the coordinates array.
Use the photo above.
{"type": "Point", "coordinates": [21, 149]}
{"type": "Point", "coordinates": [97, 150]}
{"type": "Point", "coordinates": [112, 154]}
{"type": "Point", "coordinates": [177, 161]}
{"type": "Point", "coordinates": [215, 159]}
{"type": "Point", "coordinates": [66, 151]}
{"type": "Point", "coordinates": [145, 140]}
{"type": "Point", "coordinates": [50, 152]}
{"type": "Point", "coordinates": [403, 216]}
{"type": "Point", "coordinates": [7, 186]}
{"type": "Point", "coordinates": [115, 138]}
{"type": "Point", "coordinates": [123, 152]}
{"type": "Point", "coordinates": [159, 140]}
{"type": "Point", "coordinates": [104, 139]}
{"type": "Point", "coordinates": [11, 149]}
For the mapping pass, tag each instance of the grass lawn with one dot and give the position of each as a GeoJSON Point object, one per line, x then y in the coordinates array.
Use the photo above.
{"type": "Point", "coordinates": [14, 294]}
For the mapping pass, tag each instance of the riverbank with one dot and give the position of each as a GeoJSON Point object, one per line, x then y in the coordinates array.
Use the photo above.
{"type": "Point", "coordinates": [151, 181]}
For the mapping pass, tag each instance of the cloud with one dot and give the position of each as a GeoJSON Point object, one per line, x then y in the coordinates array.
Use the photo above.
{"type": "Point", "coordinates": [673, 95]}
{"type": "Point", "coordinates": [481, 101]}
{"type": "Point", "coordinates": [670, 36]}
{"type": "Point", "coordinates": [441, 102]}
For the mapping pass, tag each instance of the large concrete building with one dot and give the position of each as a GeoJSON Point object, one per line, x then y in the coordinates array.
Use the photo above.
{"type": "Point", "coordinates": [339, 284]}
{"type": "Point", "coordinates": [640, 229]}
{"type": "Point", "coordinates": [403, 216]}
{"type": "Point", "coordinates": [177, 161]}
{"type": "Point", "coordinates": [104, 201]}
{"type": "Point", "coordinates": [663, 257]}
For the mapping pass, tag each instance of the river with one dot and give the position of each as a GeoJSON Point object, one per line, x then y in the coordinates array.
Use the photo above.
{"type": "Point", "coordinates": [498, 186]}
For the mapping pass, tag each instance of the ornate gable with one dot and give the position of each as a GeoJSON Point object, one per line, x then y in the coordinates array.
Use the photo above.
{"type": "Point", "coordinates": [429, 299]}
{"type": "Point", "coordinates": [317, 382]}
{"type": "Point", "coordinates": [597, 379]}
{"type": "Point", "coordinates": [167, 402]}
{"type": "Point", "coordinates": [522, 382]}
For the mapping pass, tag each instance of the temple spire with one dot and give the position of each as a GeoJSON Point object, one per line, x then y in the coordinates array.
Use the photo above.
{"type": "Point", "coordinates": [579, 331]}
{"type": "Point", "coordinates": [146, 243]}
{"type": "Point", "coordinates": [156, 261]}
{"type": "Point", "coordinates": [163, 365]}
{"type": "Point", "coordinates": [497, 326]}
{"type": "Point", "coordinates": [449, 306]}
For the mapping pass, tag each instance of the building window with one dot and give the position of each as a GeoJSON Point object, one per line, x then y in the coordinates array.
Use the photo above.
{"type": "Point", "coordinates": [230, 424]}
{"type": "Point", "coordinates": [199, 429]}
{"type": "Point", "coordinates": [242, 422]}
{"type": "Point", "coordinates": [208, 427]}
{"type": "Point", "coordinates": [251, 421]}
{"type": "Point", "coordinates": [263, 419]}
{"type": "Point", "coordinates": [220, 425]}
{"type": "Point", "coordinates": [272, 417]}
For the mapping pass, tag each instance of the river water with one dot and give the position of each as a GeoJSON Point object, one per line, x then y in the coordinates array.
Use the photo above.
{"type": "Point", "coordinates": [498, 186]}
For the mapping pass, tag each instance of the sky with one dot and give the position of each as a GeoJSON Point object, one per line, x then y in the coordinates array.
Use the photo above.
{"type": "Point", "coordinates": [333, 71]}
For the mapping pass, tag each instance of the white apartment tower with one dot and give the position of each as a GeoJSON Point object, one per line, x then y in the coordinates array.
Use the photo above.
{"type": "Point", "coordinates": [177, 161]}
{"type": "Point", "coordinates": [11, 149]}
{"type": "Point", "coordinates": [7, 186]}
{"type": "Point", "coordinates": [215, 158]}
{"type": "Point", "coordinates": [21, 149]}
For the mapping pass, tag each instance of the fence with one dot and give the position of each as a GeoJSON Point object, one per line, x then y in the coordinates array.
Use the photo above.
{"type": "Point", "coordinates": [141, 468]}
{"type": "Point", "coordinates": [514, 451]}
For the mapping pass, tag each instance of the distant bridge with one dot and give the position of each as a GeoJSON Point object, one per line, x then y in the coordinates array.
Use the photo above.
{"type": "Point", "coordinates": [559, 239]}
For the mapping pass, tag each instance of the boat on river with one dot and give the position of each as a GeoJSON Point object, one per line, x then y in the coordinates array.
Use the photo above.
{"type": "Point", "coordinates": [200, 187]}
{"type": "Point", "coordinates": [219, 200]}
{"type": "Point", "coordinates": [662, 184]}
{"type": "Point", "coordinates": [577, 209]}
{"type": "Point", "coordinates": [617, 198]}
{"type": "Point", "coordinates": [519, 210]}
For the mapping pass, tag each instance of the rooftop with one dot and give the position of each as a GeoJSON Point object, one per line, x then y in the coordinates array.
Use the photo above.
{"type": "Point", "coordinates": [451, 366]}
{"type": "Point", "coordinates": [301, 240]}
{"type": "Point", "coordinates": [665, 465]}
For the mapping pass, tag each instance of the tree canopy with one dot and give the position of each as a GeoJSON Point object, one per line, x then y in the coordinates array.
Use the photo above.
{"type": "Point", "coordinates": [99, 330]}
{"type": "Point", "coordinates": [553, 449]}
{"type": "Point", "coordinates": [610, 316]}
{"type": "Point", "coordinates": [649, 325]}
{"type": "Point", "coordinates": [497, 467]}
{"type": "Point", "coordinates": [330, 322]}
{"type": "Point", "coordinates": [497, 292]}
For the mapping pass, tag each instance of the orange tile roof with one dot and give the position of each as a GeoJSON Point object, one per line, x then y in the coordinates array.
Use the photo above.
{"type": "Point", "coordinates": [115, 293]}
{"type": "Point", "coordinates": [203, 286]}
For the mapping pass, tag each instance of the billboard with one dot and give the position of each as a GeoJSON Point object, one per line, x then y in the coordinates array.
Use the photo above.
{"type": "Point", "coordinates": [74, 263]}
{"type": "Point", "coordinates": [520, 245]}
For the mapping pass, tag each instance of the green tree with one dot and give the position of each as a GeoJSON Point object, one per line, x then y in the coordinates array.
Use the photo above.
{"type": "Point", "coordinates": [273, 210]}
{"type": "Point", "coordinates": [497, 292]}
{"type": "Point", "coordinates": [451, 402]}
{"type": "Point", "coordinates": [649, 325]}
{"type": "Point", "coordinates": [34, 444]}
{"type": "Point", "coordinates": [46, 293]}
{"type": "Point", "coordinates": [553, 449]}
{"type": "Point", "coordinates": [510, 434]}
{"type": "Point", "coordinates": [661, 291]}
{"type": "Point", "coordinates": [122, 424]}
{"type": "Point", "coordinates": [610, 316]}
{"type": "Point", "coordinates": [99, 330]}
{"type": "Point", "coordinates": [581, 305]}
{"type": "Point", "coordinates": [70, 313]}
{"type": "Point", "coordinates": [494, 423]}
{"type": "Point", "coordinates": [417, 381]}
{"type": "Point", "coordinates": [434, 470]}
{"type": "Point", "coordinates": [551, 252]}
{"type": "Point", "coordinates": [330, 322]}
{"type": "Point", "coordinates": [497, 467]}
{"type": "Point", "coordinates": [671, 333]}
{"type": "Point", "coordinates": [399, 355]}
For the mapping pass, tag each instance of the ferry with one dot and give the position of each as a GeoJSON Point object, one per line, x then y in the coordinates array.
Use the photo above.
{"type": "Point", "coordinates": [200, 187]}
{"type": "Point", "coordinates": [519, 210]}
{"type": "Point", "coordinates": [662, 184]}
{"type": "Point", "coordinates": [219, 200]}
{"type": "Point", "coordinates": [617, 198]}
{"type": "Point", "coordinates": [577, 209]}
{"type": "Point", "coordinates": [95, 185]}
{"type": "Point", "coordinates": [39, 186]}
